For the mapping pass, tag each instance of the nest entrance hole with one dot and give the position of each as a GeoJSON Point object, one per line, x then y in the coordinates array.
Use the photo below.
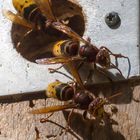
{"type": "Point", "coordinates": [35, 45]}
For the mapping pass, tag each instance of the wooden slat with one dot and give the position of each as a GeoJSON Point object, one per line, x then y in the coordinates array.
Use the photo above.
{"type": "Point", "coordinates": [17, 124]}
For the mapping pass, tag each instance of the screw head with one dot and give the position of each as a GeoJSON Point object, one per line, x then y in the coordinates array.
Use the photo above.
{"type": "Point", "coordinates": [113, 20]}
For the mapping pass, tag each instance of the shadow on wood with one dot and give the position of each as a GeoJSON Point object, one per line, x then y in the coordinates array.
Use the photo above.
{"type": "Point", "coordinates": [91, 129]}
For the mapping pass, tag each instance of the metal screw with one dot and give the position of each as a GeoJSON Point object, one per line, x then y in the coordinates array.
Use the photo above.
{"type": "Point", "coordinates": [113, 20]}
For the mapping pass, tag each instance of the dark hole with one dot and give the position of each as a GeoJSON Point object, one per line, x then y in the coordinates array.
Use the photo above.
{"type": "Point", "coordinates": [37, 44]}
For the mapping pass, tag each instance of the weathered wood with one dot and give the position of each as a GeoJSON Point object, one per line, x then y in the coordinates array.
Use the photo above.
{"type": "Point", "coordinates": [17, 123]}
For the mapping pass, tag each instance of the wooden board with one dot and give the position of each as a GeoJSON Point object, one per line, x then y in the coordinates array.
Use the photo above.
{"type": "Point", "coordinates": [17, 123]}
{"type": "Point", "coordinates": [32, 77]}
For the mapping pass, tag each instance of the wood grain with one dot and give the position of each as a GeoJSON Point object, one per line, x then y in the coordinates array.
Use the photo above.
{"type": "Point", "coordinates": [16, 123]}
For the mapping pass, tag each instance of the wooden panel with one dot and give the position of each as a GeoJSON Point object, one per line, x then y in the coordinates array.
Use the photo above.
{"type": "Point", "coordinates": [33, 77]}
{"type": "Point", "coordinates": [17, 123]}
